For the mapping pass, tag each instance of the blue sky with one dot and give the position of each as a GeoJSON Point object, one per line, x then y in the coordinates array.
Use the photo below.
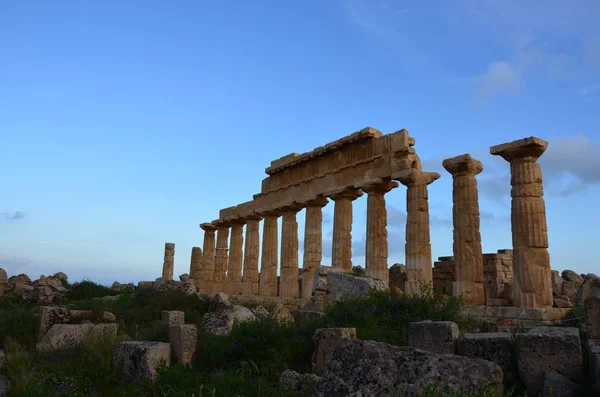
{"type": "Point", "coordinates": [125, 124]}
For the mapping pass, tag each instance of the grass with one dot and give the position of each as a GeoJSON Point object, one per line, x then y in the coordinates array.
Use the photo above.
{"type": "Point", "coordinates": [247, 362]}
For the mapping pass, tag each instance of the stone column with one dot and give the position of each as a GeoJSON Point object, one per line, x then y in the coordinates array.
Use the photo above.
{"type": "Point", "coordinates": [236, 256]}
{"type": "Point", "coordinates": [341, 250]}
{"type": "Point", "coordinates": [313, 243]}
{"type": "Point", "coordinates": [208, 258]}
{"type": "Point", "coordinates": [468, 257]}
{"type": "Point", "coordinates": [376, 252]}
{"type": "Point", "coordinates": [269, 258]}
{"type": "Point", "coordinates": [251, 253]}
{"type": "Point", "coordinates": [288, 280]}
{"type": "Point", "coordinates": [419, 272]}
{"type": "Point", "coordinates": [196, 275]}
{"type": "Point", "coordinates": [532, 278]}
{"type": "Point", "coordinates": [167, 272]}
{"type": "Point", "coordinates": [221, 256]}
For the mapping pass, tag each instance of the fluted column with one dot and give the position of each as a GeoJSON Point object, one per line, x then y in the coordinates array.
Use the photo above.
{"type": "Point", "coordinates": [236, 256]}
{"type": "Point", "coordinates": [221, 256]}
{"type": "Point", "coordinates": [208, 258]}
{"type": "Point", "coordinates": [313, 243]}
{"type": "Point", "coordinates": [468, 258]}
{"type": "Point", "coordinates": [376, 253]}
{"type": "Point", "coordinates": [532, 278]}
{"type": "Point", "coordinates": [169, 261]}
{"type": "Point", "coordinates": [341, 250]}
{"type": "Point", "coordinates": [196, 275]}
{"type": "Point", "coordinates": [269, 257]}
{"type": "Point", "coordinates": [288, 280]}
{"type": "Point", "coordinates": [419, 273]}
{"type": "Point", "coordinates": [251, 253]}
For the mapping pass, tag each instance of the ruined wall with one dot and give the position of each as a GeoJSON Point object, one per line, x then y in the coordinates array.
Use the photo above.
{"type": "Point", "coordinates": [498, 277]}
{"type": "Point", "coordinates": [443, 275]}
{"type": "Point", "coordinates": [397, 276]}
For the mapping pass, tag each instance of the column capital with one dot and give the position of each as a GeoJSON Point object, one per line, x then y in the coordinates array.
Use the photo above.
{"type": "Point", "coordinates": [319, 201]}
{"type": "Point", "coordinates": [531, 147]}
{"type": "Point", "coordinates": [254, 217]}
{"type": "Point", "coordinates": [208, 227]}
{"type": "Point", "coordinates": [294, 207]}
{"type": "Point", "coordinates": [380, 187]}
{"type": "Point", "coordinates": [463, 165]}
{"type": "Point", "coordinates": [238, 221]}
{"type": "Point", "coordinates": [220, 224]}
{"type": "Point", "coordinates": [418, 178]}
{"type": "Point", "coordinates": [275, 212]}
{"type": "Point", "coordinates": [348, 193]}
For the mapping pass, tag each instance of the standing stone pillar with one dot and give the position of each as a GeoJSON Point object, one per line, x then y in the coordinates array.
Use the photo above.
{"type": "Point", "coordinates": [221, 256]}
{"type": "Point", "coordinates": [341, 251]}
{"type": "Point", "coordinates": [532, 278]}
{"type": "Point", "coordinates": [376, 252]}
{"type": "Point", "coordinates": [167, 272]}
{"type": "Point", "coordinates": [468, 257]}
{"type": "Point", "coordinates": [208, 258]}
{"type": "Point", "coordinates": [288, 281]}
{"type": "Point", "coordinates": [236, 256]}
{"type": "Point", "coordinates": [196, 275]}
{"type": "Point", "coordinates": [419, 273]}
{"type": "Point", "coordinates": [269, 258]}
{"type": "Point", "coordinates": [251, 253]}
{"type": "Point", "coordinates": [313, 243]}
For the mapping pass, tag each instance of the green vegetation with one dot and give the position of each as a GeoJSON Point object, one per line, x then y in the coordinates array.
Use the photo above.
{"type": "Point", "coordinates": [247, 362]}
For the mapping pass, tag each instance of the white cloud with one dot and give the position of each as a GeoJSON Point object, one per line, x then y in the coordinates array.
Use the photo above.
{"type": "Point", "coordinates": [500, 78]}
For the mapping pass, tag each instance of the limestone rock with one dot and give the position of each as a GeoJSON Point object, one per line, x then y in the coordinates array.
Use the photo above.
{"type": "Point", "coordinates": [20, 288]}
{"type": "Point", "coordinates": [260, 312]}
{"type": "Point", "coordinates": [570, 275]}
{"type": "Point", "coordinates": [326, 341]}
{"type": "Point", "coordinates": [170, 317]}
{"type": "Point", "coordinates": [64, 335]}
{"type": "Point", "coordinates": [137, 360]}
{"type": "Point", "coordinates": [321, 286]}
{"type": "Point", "coordinates": [594, 362]}
{"type": "Point", "coordinates": [359, 270]}
{"type": "Point", "coordinates": [344, 286]}
{"type": "Point", "coordinates": [562, 301]}
{"type": "Point", "coordinates": [294, 382]}
{"type": "Point", "coordinates": [492, 346]}
{"type": "Point", "coordinates": [557, 385]}
{"type": "Point", "coordinates": [435, 336]}
{"type": "Point", "coordinates": [186, 287]}
{"type": "Point", "coordinates": [20, 279]}
{"type": "Point", "coordinates": [184, 277]}
{"type": "Point", "coordinates": [183, 339]}
{"type": "Point", "coordinates": [48, 316]}
{"type": "Point", "coordinates": [145, 284]}
{"type": "Point", "coordinates": [3, 276]}
{"type": "Point", "coordinates": [242, 314]}
{"type": "Point", "coordinates": [108, 317]}
{"type": "Point", "coordinates": [44, 295]}
{"type": "Point", "coordinates": [592, 317]}
{"type": "Point", "coordinates": [61, 276]}
{"type": "Point", "coordinates": [219, 302]}
{"type": "Point", "coordinates": [282, 315]}
{"type": "Point", "coordinates": [557, 282]}
{"type": "Point", "coordinates": [116, 286]}
{"type": "Point", "coordinates": [221, 322]}
{"type": "Point", "coordinates": [366, 368]}
{"type": "Point", "coordinates": [306, 315]}
{"type": "Point", "coordinates": [589, 287]}
{"type": "Point", "coordinates": [547, 349]}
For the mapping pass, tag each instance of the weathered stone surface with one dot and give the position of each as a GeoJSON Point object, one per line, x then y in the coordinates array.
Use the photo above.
{"type": "Point", "coordinates": [44, 295]}
{"type": "Point", "coordinates": [141, 360]}
{"type": "Point", "coordinates": [185, 287]}
{"type": "Point", "coordinates": [19, 288]}
{"type": "Point", "coordinates": [306, 315]}
{"type": "Point", "coordinates": [64, 335]}
{"type": "Point", "coordinates": [288, 282]}
{"type": "Point", "coordinates": [570, 275]}
{"type": "Point", "coordinates": [236, 257]}
{"type": "Point", "coordinates": [562, 302]}
{"type": "Point", "coordinates": [61, 276]}
{"type": "Point", "coordinates": [269, 260]}
{"type": "Point", "coordinates": [546, 349]}
{"type": "Point", "coordinates": [345, 286]}
{"type": "Point", "coordinates": [594, 362]}
{"type": "Point", "coordinates": [282, 314]}
{"type": "Point", "coordinates": [592, 317]}
{"type": "Point", "coordinates": [183, 339]}
{"type": "Point", "coordinates": [341, 251]}
{"type": "Point", "coordinates": [436, 336]}
{"type": "Point", "coordinates": [145, 284]}
{"type": "Point", "coordinates": [557, 282]}
{"type": "Point", "coordinates": [169, 261]}
{"type": "Point", "coordinates": [108, 317]}
{"type": "Point", "coordinates": [491, 346]}
{"type": "Point", "coordinates": [171, 317]}
{"type": "Point", "coordinates": [294, 382]}
{"type": "Point", "coordinates": [50, 282]}
{"type": "Point", "coordinates": [242, 314]}
{"type": "Point", "coordinates": [557, 385]}
{"type": "Point", "coordinates": [221, 322]}
{"type": "Point", "coordinates": [326, 341]}
{"type": "Point", "coordinates": [185, 276]}
{"type": "Point", "coordinates": [589, 287]}
{"type": "Point", "coordinates": [366, 368]}
{"type": "Point", "coordinates": [251, 254]}
{"type": "Point", "coordinates": [20, 279]}
{"type": "Point", "coordinates": [221, 257]}
{"type": "Point", "coordinates": [313, 244]}
{"type": "Point", "coordinates": [260, 312]}
{"type": "Point", "coordinates": [48, 316]}
{"type": "Point", "coordinates": [219, 301]}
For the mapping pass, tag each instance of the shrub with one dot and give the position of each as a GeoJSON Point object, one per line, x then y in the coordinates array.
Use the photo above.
{"type": "Point", "coordinates": [88, 290]}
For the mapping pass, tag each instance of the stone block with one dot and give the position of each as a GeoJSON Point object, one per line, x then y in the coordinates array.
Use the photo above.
{"type": "Point", "coordinates": [48, 316]}
{"type": "Point", "coordinates": [594, 362]}
{"type": "Point", "coordinates": [145, 284]}
{"type": "Point", "coordinates": [557, 385]}
{"type": "Point", "coordinates": [435, 336]}
{"type": "Point", "coordinates": [306, 315]}
{"type": "Point", "coordinates": [282, 315]}
{"type": "Point", "coordinates": [345, 286]}
{"type": "Point", "coordinates": [60, 336]}
{"type": "Point", "coordinates": [292, 382]}
{"type": "Point", "coordinates": [547, 349]}
{"type": "Point", "coordinates": [183, 339]}
{"type": "Point", "coordinates": [326, 341]}
{"type": "Point", "coordinates": [172, 317]}
{"type": "Point", "coordinates": [592, 317]}
{"type": "Point", "coordinates": [141, 360]}
{"type": "Point", "coordinates": [491, 346]}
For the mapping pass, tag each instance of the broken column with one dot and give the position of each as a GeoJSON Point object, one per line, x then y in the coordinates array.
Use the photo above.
{"type": "Point", "coordinates": [376, 253]}
{"type": "Point", "coordinates": [532, 282]}
{"type": "Point", "coordinates": [221, 255]}
{"type": "Point", "coordinates": [288, 283]}
{"type": "Point", "coordinates": [167, 272]}
{"type": "Point", "coordinates": [313, 243]}
{"type": "Point", "coordinates": [196, 275]}
{"type": "Point", "coordinates": [468, 259]}
{"type": "Point", "coordinates": [418, 246]}
{"type": "Point", "coordinates": [251, 253]}
{"type": "Point", "coordinates": [341, 252]}
{"type": "Point", "coordinates": [269, 258]}
{"type": "Point", "coordinates": [208, 258]}
{"type": "Point", "coordinates": [236, 255]}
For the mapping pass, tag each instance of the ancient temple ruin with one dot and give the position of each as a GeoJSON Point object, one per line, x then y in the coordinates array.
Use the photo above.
{"type": "Point", "coordinates": [370, 163]}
